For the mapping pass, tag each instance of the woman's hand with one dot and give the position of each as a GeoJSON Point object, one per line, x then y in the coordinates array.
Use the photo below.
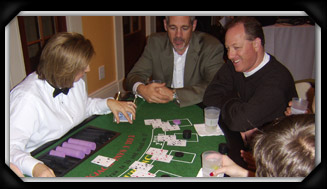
{"type": "Point", "coordinates": [41, 170]}
{"type": "Point", "coordinates": [123, 107]}
{"type": "Point", "coordinates": [230, 168]}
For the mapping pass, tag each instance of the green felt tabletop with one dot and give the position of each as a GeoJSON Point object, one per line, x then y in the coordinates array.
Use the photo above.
{"type": "Point", "coordinates": [135, 139]}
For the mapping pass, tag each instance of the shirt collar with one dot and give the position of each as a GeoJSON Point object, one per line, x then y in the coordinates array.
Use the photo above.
{"type": "Point", "coordinates": [265, 60]}
{"type": "Point", "coordinates": [184, 54]}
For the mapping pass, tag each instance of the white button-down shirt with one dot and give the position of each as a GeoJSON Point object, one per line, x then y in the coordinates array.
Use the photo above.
{"type": "Point", "coordinates": [179, 66]}
{"type": "Point", "coordinates": [37, 118]}
{"type": "Point", "coordinates": [178, 72]}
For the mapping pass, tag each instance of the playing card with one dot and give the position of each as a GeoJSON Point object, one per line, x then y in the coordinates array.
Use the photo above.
{"type": "Point", "coordinates": [156, 123]}
{"type": "Point", "coordinates": [103, 161]}
{"type": "Point", "coordinates": [122, 118]}
{"type": "Point", "coordinates": [163, 158]}
{"type": "Point", "coordinates": [166, 126]}
{"type": "Point", "coordinates": [139, 173]}
{"type": "Point", "coordinates": [174, 128]}
{"type": "Point", "coordinates": [148, 121]}
{"type": "Point", "coordinates": [176, 142]}
{"type": "Point", "coordinates": [141, 166]}
{"type": "Point", "coordinates": [164, 138]}
{"type": "Point", "coordinates": [156, 151]}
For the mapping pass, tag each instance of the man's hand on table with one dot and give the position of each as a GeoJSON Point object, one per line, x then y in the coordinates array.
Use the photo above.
{"type": "Point", "coordinates": [155, 93]}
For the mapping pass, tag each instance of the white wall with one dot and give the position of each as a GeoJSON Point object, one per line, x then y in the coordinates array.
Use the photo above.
{"type": "Point", "coordinates": [14, 54]}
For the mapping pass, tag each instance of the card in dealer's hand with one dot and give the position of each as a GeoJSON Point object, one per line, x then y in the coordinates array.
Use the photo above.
{"type": "Point", "coordinates": [103, 161]}
{"type": "Point", "coordinates": [122, 118]}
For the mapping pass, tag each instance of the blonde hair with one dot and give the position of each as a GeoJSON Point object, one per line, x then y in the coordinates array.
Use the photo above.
{"type": "Point", "coordinates": [63, 57]}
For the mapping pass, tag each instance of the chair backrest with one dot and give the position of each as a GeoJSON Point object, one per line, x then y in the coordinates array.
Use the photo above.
{"type": "Point", "coordinates": [306, 90]}
{"type": "Point", "coordinates": [302, 89]}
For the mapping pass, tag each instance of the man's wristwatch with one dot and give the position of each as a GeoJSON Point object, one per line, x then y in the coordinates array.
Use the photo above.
{"type": "Point", "coordinates": [175, 97]}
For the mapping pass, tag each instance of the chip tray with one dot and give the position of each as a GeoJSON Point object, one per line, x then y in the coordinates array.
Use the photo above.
{"type": "Point", "coordinates": [61, 166]}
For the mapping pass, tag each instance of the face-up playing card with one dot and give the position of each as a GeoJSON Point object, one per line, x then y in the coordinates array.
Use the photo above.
{"type": "Point", "coordinates": [164, 138]}
{"type": "Point", "coordinates": [166, 126]}
{"type": "Point", "coordinates": [156, 151]}
{"type": "Point", "coordinates": [163, 158]}
{"type": "Point", "coordinates": [103, 161]}
{"type": "Point", "coordinates": [139, 173]}
{"type": "Point", "coordinates": [148, 121]}
{"type": "Point", "coordinates": [141, 166]}
{"type": "Point", "coordinates": [176, 142]}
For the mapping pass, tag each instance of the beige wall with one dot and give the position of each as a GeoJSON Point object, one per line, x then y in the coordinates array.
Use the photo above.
{"type": "Point", "coordinates": [100, 30]}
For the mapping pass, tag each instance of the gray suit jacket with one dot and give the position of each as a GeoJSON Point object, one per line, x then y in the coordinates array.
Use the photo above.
{"type": "Point", "coordinates": [203, 59]}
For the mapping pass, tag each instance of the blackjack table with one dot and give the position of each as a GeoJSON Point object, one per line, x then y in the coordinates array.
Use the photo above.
{"type": "Point", "coordinates": [124, 144]}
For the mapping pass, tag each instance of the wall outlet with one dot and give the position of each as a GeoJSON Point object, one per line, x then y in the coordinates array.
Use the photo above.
{"type": "Point", "coordinates": [101, 72]}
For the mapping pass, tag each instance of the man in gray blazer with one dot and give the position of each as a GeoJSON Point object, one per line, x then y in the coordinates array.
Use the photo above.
{"type": "Point", "coordinates": [184, 61]}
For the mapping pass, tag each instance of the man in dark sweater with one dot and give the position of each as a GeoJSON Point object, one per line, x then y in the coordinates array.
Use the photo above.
{"type": "Point", "coordinates": [251, 89]}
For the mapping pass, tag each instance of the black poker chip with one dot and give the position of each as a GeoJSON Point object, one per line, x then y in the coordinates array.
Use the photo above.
{"type": "Point", "coordinates": [187, 134]}
{"type": "Point", "coordinates": [179, 154]}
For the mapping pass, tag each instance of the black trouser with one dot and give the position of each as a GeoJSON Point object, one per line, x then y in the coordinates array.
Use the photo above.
{"type": "Point", "coordinates": [235, 144]}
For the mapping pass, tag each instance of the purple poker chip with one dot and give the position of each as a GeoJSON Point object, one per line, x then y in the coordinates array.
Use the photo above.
{"type": "Point", "coordinates": [57, 153]}
{"type": "Point", "coordinates": [71, 152]}
{"type": "Point", "coordinates": [85, 149]}
{"type": "Point", "coordinates": [177, 122]}
{"type": "Point", "coordinates": [89, 144]}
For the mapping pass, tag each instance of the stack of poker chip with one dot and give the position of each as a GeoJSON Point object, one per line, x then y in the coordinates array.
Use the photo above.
{"type": "Point", "coordinates": [74, 148]}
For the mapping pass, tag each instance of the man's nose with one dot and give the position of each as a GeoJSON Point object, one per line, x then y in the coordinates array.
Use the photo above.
{"type": "Point", "coordinates": [231, 54]}
{"type": "Point", "coordinates": [179, 32]}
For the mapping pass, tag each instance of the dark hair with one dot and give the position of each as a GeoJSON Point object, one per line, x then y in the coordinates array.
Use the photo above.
{"type": "Point", "coordinates": [192, 18]}
{"type": "Point", "coordinates": [252, 26]}
{"type": "Point", "coordinates": [286, 148]}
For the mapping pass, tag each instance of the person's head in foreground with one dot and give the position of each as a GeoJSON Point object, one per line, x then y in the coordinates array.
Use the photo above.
{"type": "Point", "coordinates": [287, 149]}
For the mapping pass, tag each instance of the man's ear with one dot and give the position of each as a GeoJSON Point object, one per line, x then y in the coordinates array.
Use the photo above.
{"type": "Point", "coordinates": [257, 43]}
{"type": "Point", "coordinates": [165, 24]}
{"type": "Point", "coordinates": [194, 24]}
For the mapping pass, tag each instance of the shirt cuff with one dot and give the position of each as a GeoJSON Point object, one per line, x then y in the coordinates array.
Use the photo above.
{"type": "Point", "coordinates": [135, 87]}
{"type": "Point", "coordinates": [28, 165]}
{"type": "Point", "coordinates": [104, 106]}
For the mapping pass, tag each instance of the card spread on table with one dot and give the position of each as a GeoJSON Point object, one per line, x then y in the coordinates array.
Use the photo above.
{"type": "Point", "coordinates": [170, 139]}
{"type": "Point", "coordinates": [141, 166]}
{"type": "Point", "coordinates": [159, 155]}
{"type": "Point", "coordinates": [103, 161]}
{"type": "Point", "coordinates": [165, 138]}
{"type": "Point", "coordinates": [163, 158]}
{"type": "Point", "coordinates": [164, 125]}
{"type": "Point", "coordinates": [176, 142]}
{"type": "Point", "coordinates": [139, 173]}
{"type": "Point", "coordinates": [156, 151]}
